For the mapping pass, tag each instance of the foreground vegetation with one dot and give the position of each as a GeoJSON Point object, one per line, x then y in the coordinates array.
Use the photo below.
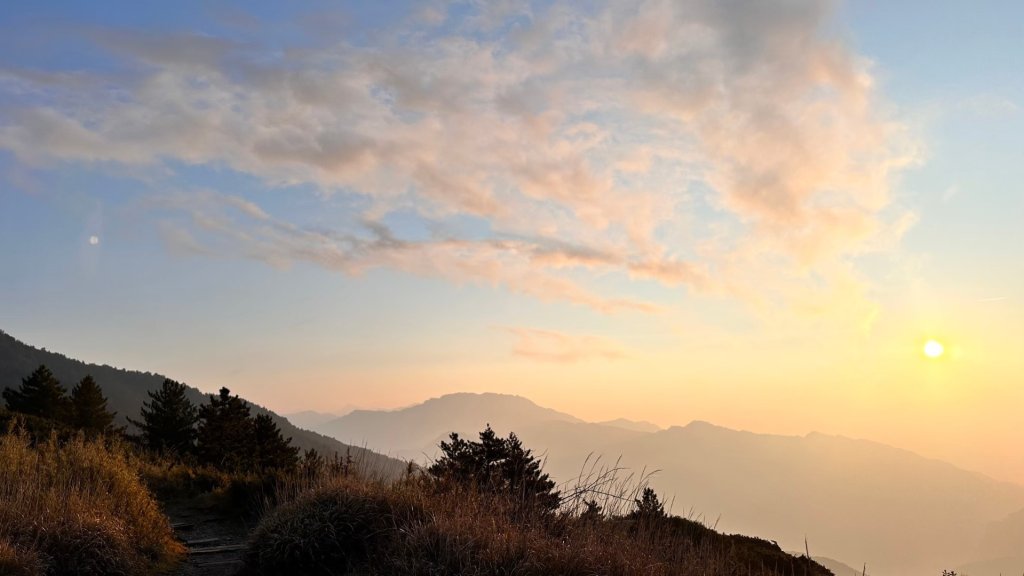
{"type": "Point", "coordinates": [486, 508]}
{"type": "Point", "coordinates": [78, 506]}
{"type": "Point", "coordinates": [350, 526]}
{"type": "Point", "coordinates": [78, 495]}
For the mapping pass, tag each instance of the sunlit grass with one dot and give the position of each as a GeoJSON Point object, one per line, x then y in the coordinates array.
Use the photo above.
{"type": "Point", "coordinates": [348, 524]}
{"type": "Point", "coordinates": [78, 507]}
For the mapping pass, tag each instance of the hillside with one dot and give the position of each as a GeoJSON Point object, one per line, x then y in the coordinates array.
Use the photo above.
{"type": "Point", "coordinates": [838, 568]}
{"type": "Point", "coordinates": [126, 391]}
{"type": "Point", "coordinates": [855, 500]}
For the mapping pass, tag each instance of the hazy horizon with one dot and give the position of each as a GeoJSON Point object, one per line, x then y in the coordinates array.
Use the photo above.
{"type": "Point", "coordinates": [751, 214]}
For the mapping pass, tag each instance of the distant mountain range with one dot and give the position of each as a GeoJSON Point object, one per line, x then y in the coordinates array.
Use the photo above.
{"type": "Point", "coordinates": [126, 391]}
{"type": "Point", "coordinates": [311, 419]}
{"type": "Point", "coordinates": [863, 502]}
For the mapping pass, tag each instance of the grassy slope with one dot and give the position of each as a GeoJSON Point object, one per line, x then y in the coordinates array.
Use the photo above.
{"type": "Point", "coordinates": [349, 525]}
{"type": "Point", "coordinates": [78, 507]}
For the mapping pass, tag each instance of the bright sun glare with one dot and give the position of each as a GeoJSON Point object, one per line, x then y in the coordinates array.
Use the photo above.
{"type": "Point", "coordinates": [933, 349]}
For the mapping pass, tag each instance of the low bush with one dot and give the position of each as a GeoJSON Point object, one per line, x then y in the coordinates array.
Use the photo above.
{"type": "Point", "coordinates": [330, 530]}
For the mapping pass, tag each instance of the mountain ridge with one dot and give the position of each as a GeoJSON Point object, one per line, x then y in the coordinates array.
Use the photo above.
{"type": "Point", "coordinates": [126, 390]}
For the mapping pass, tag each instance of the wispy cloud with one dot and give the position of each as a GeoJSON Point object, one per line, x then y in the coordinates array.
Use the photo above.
{"type": "Point", "coordinates": [219, 223]}
{"type": "Point", "coordinates": [593, 127]}
{"type": "Point", "coordinates": [559, 347]}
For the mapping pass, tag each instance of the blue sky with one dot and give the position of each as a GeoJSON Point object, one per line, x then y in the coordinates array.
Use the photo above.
{"type": "Point", "coordinates": [600, 208]}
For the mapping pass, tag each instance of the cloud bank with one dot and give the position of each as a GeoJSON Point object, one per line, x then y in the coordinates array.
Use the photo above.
{"type": "Point", "coordinates": [696, 143]}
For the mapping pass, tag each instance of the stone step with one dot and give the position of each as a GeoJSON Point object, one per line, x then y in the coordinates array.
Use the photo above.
{"type": "Point", "coordinates": [217, 549]}
{"type": "Point", "coordinates": [206, 541]}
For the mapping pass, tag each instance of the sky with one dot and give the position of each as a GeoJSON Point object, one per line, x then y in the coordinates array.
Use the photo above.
{"type": "Point", "coordinates": [751, 213]}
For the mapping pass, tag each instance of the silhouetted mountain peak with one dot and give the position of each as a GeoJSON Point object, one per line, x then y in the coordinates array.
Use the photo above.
{"type": "Point", "coordinates": [633, 425]}
{"type": "Point", "coordinates": [699, 427]}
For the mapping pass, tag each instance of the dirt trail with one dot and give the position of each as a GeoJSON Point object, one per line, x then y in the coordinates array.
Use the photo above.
{"type": "Point", "coordinates": [215, 541]}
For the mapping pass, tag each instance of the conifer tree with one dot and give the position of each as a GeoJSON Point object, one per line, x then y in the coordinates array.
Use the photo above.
{"type": "Point", "coordinates": [273, 451]}
{"type": "Point", "coordinates": [648, 506]}
{"type": "Point", "coordinates": [89, 408]}
{"type": "Point", "coordinates": [226, 436]}
{"type": "Point", "coordinates": [40, 395]}
{"type": "Point", "coordinates": [169, 419]}
{"type": "Point", "coordinates": [497, 465]}
{"type": "Point", "coordinates": [523, 477]}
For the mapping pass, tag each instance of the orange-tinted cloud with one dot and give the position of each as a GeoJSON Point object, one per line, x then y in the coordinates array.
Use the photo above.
{"type": "Point", "coordinates": [559, 347]}
{"type": "Point", "coordinates": [594, 127]}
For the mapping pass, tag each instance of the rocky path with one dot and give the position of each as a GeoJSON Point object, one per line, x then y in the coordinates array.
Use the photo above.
{"type": "Point", "coordinates": [215, 542]}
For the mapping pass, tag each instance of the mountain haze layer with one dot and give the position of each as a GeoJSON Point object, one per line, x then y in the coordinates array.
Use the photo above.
{"type": "Point", "coordinates": [854, 500]}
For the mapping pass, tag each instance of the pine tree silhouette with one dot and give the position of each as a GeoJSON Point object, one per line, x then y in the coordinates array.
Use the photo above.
{"type": "Point", "coordinates": [89, 408]}
{"type": "Point", "coordinates": [169, 419]}
{"type": "Point", "coordinates": [273, 451]}
{"type": "Point", "coordinates": [497, 465]}
{"type": "Point", "coordinates": [226, 437]}
{"type": "Point", "coordinates": [40, 395]}
{"type": "Point", "coordinates": [648, 506]}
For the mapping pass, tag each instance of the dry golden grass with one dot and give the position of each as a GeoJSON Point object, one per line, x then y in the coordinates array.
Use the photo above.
{"type": "Point", "coordinates": [78, 507]}
{"type": "Point", "coordinates": [414, 527]}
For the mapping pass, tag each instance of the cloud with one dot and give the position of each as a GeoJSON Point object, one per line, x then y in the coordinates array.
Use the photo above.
{"type": "Point", "coordinates": [223, 224]}
{"type": "Point", "coordinates": [558, 347]}
{"type": "Point", "coordinates": [594, 127]}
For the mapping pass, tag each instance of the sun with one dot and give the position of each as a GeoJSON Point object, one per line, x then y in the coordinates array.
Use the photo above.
{"type": "Point", "coordinates": [934, 349]}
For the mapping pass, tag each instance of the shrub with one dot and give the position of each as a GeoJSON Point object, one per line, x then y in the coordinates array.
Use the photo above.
{"type": "Point", "coordinates": [79, 507]}
{"type": "Point", "coordinates": [330, 530]}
